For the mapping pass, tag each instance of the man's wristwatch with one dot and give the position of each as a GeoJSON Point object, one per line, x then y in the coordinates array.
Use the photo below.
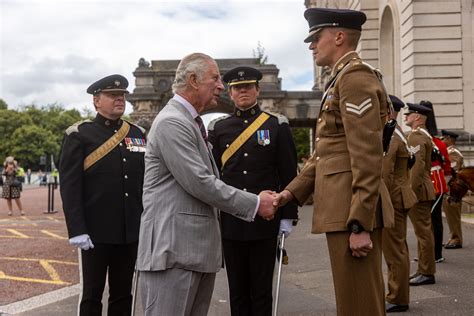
{"type": "Point", "coordinates": [356, 228]}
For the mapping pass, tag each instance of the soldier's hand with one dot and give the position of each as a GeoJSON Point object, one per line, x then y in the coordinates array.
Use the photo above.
{"type": "Point", "coordinates": [82, 241]}
{"type": "Point", "coordinates": [360, 244]}
{"type": "Point", "coordinates": [282, 198]}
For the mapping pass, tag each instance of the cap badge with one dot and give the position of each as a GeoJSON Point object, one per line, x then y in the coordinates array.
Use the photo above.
{"type": "Point", "coordinates": [117, 83]}
{"type": "Point", "coordinates": [241, 73]}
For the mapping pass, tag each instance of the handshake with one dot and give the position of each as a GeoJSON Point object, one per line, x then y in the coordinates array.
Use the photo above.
{"type": "Point", "coordinates": [270, 201]}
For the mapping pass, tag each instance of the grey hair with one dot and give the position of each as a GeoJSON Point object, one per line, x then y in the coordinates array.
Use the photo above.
{"type": "Point", "coordinates": [196, 63]}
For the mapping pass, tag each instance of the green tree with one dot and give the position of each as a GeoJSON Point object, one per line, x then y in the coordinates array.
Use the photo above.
{"type": "Point", "coordinates": [3, 105]}
{"type": "Point", "coordinates": [10, 121]}
{"type": "Point", "coordinates": [301, 139]}
{"type": "Point", "coordinates": [29, 142]}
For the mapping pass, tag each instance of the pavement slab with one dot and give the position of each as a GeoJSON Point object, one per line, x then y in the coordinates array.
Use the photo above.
{"type": "Point", "coordinates": [306, 287]}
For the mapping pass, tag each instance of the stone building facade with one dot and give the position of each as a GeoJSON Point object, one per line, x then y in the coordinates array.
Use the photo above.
{"type": "Point", "coordinates": [425, 49]}
{"type": "Point", "coordinates": [153, 90]}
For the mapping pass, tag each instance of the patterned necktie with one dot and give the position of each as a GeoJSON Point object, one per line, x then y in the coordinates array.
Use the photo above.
{"type": "Point", "coordinates": [198, 119]}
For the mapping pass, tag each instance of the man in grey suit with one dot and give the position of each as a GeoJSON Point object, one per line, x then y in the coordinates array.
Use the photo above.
{"type": "Point", "coordinates": [179, 249]}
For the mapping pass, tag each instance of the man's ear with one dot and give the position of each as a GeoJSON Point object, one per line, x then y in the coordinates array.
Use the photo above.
{"type": "Point", "coordinates": [193, 81]}
{"type": "Point", "coordinates": [340, 38]}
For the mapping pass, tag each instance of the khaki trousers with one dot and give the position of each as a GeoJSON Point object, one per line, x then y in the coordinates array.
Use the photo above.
{"type": "Point", "coordinates": [358, 282]}
{"type": "Point", "coordinates": [453, 217]}
{"type": "Point", "coordinates": [420, 216]}
{"type": "Point", "coordinates": [395, 251]}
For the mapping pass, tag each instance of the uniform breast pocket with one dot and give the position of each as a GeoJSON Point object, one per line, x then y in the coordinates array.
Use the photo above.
{"type": "Point", "coordinates": [332, 117]}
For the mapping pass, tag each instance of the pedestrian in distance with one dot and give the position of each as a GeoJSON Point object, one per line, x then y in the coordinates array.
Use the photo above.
{"type": "Point", "coordinates": [11, 188]}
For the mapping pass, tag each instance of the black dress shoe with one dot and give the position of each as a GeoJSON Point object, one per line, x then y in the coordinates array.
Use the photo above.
{"type": "Point", "coordinates": [394, 308]}
{"type": "Point", "coordinates": [452, 246]}
{"type": "Point", "coordinates": [414, 275]}
{"type": "Point", "coordinates": [423, 279]}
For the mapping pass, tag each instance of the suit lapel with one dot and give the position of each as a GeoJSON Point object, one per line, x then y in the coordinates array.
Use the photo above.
{"type": "Point", "coordinates": [203, 147]}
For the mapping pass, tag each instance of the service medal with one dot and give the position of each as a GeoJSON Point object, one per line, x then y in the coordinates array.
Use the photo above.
{"type": "Point", "coordinates": [263, 137]}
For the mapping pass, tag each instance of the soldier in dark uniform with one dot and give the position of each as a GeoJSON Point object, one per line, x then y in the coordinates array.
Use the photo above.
{"type": "Point", "coordinates": [101, 167]}
{"type": "Point", "coordinates": [266, 160]}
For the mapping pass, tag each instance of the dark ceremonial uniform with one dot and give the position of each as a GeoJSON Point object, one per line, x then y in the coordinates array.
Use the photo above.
{"type": "Point", "coordinates": [105, 202]}
{"type": "Point", "coordinates": [266, 161]}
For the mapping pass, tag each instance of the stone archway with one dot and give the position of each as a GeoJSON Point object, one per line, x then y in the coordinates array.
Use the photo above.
{"type": "Point", "coordinates": [387, 50]}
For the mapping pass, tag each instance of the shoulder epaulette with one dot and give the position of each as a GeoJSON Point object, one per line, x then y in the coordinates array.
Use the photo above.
{"type": "Point", "coordinates": [74, 128]}
{"type": "Point", "coordinates": [281, 118]}
{"type": "Point", "coordinates": [212, 123]}
{"type": "Point", "coordinates": [142, 129]}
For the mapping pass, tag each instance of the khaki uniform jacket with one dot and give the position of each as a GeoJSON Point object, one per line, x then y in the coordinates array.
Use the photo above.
{"type": "Point", "coordinates": [456, 158]}
{"type": "Point", "coordinates": [345, 170]}
{"type": "Point", "coordinates": [421, 145]}
{"type": "Point", "coordinates": [396, 174]}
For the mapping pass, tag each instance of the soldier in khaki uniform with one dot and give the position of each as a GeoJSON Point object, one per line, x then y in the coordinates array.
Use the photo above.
{"type": "Point", "coordinates": [453, 209]}
{"type": "Point", "coordinates": [345, 169]}
{"type": "Point", "coordinates": [421, 145]}
{"type": "Point", "coordinates": [396, 167]}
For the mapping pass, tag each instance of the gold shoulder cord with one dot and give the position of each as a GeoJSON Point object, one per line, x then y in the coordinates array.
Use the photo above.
{"type": "Point", "coordinates": [106, 147]}
{"type": "Point", "coordinates": [243, 137]}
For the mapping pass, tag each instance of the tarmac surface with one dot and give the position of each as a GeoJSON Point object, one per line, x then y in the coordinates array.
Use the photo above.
{"type": "Point", "coordinates": [306, 286]}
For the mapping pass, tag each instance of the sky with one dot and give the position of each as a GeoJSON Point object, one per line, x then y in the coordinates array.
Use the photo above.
{"type": "Point", "coordinates": [52, 50]}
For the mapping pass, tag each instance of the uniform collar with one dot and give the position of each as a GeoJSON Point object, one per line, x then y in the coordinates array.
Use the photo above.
{"type": "Point", "coordinates": [107, 122]}
{"type": "Point", "coordinates": [339, 65]}
{"type": "Point", "coordinates": [254, 110]}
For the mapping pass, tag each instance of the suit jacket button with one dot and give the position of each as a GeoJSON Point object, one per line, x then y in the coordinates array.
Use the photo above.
{"type": "Point", "coordinates": [125, 176]}
{"type": "Point", "coordinates": [124, 159]}
{"type": "Point", "coordinates": [126, 194]}
{"type": "Point", "coordinates": [317, 158]}
{"type": "Point", "coordinates": [244, 172]}
{"type": "Point", "coordinates": [244, 189]}
{"type": "Point", "coordinates": [245, 154]}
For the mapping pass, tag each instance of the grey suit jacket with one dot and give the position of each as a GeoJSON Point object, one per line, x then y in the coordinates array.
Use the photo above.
{"type": "Point", "coordinates": [181, 196]}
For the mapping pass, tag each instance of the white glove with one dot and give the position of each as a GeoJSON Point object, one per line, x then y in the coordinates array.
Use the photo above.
{"type": "Point", "coordinates": [82, 241]}
{"type": "Point", "coordinates": [286, 226]}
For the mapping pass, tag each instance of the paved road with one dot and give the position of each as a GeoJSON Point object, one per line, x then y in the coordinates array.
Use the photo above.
{"type": "Point", "coordinates": [307, 283]}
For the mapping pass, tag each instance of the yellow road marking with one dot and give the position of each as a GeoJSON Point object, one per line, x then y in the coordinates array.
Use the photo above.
{"type": "Point", "coordinates": [31, 259]}
{"type": "Point", "coordinates": [51, 271]}
{"type": "Point", "coordinates": [17, 233]}
{"type": "Point", "coordinates": [46, 264]}
{"type": "Point", "coordinates": [52, 218]}
{"type": "Point", "coordinates": [46, 232]}
{"type": "Point", "coordinates": [21, 279]}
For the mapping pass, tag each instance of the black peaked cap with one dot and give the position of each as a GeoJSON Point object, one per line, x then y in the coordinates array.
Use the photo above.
{"type": "Point", "coordinates": [319, 18]}
{"type": "Point", "coordinates": [112, 83]}
{"type": "Point", "coordinates": [241, 75]}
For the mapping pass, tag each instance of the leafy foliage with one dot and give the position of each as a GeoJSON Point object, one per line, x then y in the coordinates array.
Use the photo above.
{"type": "Point", "coordinates": [33, 131]}
{"type": "Point", "coordinates": [301, 139]}
{"type": "Point", "coordinates": [3, 105]}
